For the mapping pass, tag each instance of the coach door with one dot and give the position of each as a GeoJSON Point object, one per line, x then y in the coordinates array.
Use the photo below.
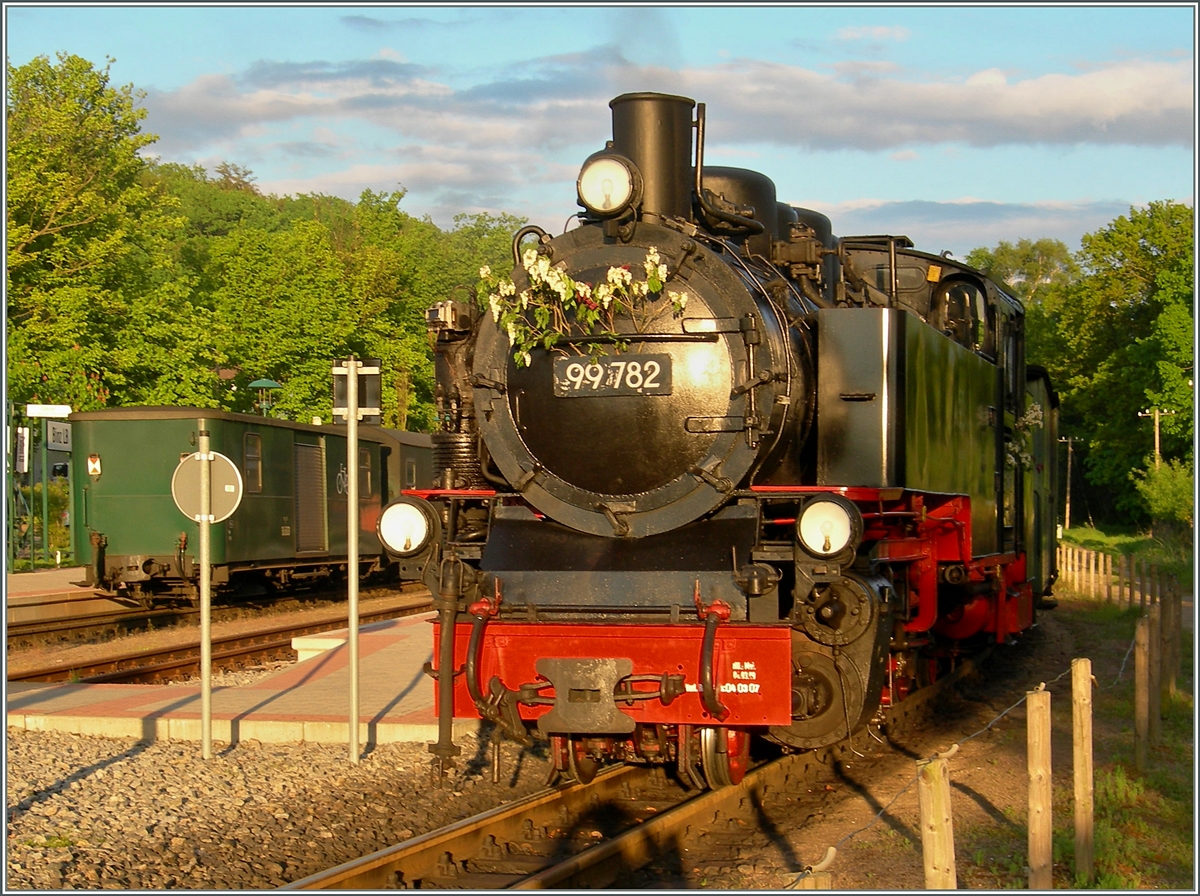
{"type": "Point", "coordinates": [312, 533]}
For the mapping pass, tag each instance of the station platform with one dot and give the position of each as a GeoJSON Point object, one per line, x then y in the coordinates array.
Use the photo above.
{"type": "Point", "coordinates": [306, 702]}
{"type": "Point", "coordinates": [22, 587]}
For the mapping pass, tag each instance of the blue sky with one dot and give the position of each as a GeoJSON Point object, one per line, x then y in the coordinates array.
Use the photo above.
{"type": "Point", "coordinates": [958, 126]}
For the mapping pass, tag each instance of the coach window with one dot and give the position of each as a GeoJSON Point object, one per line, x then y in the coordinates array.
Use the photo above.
{"type": "Point", "coordinates": [252, 461]}
{"type": "Point", "coordinates": [410, 473]}
{"type": "Point", "coordinates": [364, 472]}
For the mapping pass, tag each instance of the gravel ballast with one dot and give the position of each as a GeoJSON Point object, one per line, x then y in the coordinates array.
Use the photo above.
{"type": "Point", "coordinates": [92, 812]}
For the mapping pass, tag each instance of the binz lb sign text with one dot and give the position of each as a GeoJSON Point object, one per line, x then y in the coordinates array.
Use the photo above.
{"type": "Point", "coordinates": [58, 436]}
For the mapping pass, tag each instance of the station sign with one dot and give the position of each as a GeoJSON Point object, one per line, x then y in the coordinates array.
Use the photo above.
{"type": "Point", "coordinates": [21, 450]}
{"type": "Point", "coordinates": [368, 391]}
{"type": "Point", "coordinates": [58, 436]}
{"type": "Point", "coordinates": [47, 410]}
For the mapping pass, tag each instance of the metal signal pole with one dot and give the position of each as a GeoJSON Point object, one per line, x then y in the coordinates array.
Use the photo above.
{"type": "Point", "coordinates": [354, 371]}
{"type": "Point", "coordinates": [206, 514]}
{"type": "Point", "coordinates": [352, 523]}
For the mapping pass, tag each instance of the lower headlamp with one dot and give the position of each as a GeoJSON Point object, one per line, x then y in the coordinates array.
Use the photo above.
{"type": "Point", "coordinates": [408, 526]}
{"type": "Point", "coordinates": [828, 525]}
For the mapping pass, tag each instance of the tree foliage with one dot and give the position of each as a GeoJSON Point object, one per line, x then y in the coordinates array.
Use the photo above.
{"type": "Point", "coordinates": [93, 292]}
{"type": "Point", "coordinates": [134, 282]}
{"type": "Point", "coordinates": [1168, 490]}
{"type": "Point", "coordinates": [1114, 326]}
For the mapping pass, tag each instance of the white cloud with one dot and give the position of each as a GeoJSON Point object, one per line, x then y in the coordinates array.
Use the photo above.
{"type": "Point", "coordinates": [315, 126]}
{"type": "Point", "coordinates": [874, 33]}
{"type": "Point", "coordinates": [553, 103]}
{"type": "Point", "coordinates": [1126, 103]}
{"type": "Point", "coordinates": [966, 223]}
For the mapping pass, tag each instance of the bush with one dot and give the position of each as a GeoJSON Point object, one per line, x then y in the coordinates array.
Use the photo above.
{"type": "Point", "coordinates": [1168, 491]}
{"type": "Point", "coordinates": [58, 503]}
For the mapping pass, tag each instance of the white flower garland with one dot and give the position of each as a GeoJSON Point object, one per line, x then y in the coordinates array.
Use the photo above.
{"type": "Point", "coordinates": [1015, 453]}
{"type": "Point", "coordinates": [555, 306]}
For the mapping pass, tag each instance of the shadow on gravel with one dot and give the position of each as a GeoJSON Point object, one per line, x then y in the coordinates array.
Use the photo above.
{"type": "Point", "coordinates": [771, 831]}
{"type": "Point", "coordinates": [22, 808]}
{"type": "Point", "coordinates": [892, 821]}
{"type": "Point", "coordinates": [987, 806]}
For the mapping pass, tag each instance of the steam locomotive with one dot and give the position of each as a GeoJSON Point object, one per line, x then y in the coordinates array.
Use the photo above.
{"type": "Point", "coordinates": [706, 472]}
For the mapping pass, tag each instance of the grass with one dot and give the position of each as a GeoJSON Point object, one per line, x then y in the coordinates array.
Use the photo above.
{"type": "Point", "coordinates": [1143, 822]}
{"type": "Point", "coordinates": [52, 841]}
{"type": "Point", "coordinates": [1170, 552]}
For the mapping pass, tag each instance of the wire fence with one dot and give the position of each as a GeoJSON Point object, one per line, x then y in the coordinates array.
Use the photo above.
{"type": "Point", "coordinates": [832, 851]}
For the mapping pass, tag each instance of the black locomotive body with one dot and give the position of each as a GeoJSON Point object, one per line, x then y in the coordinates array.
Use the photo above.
{"type": "Point", "coordinates": [744, 478]}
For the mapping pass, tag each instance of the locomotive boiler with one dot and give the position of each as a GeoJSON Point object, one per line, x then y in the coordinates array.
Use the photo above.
{"type": "Point", "coordinates": [707, 472]}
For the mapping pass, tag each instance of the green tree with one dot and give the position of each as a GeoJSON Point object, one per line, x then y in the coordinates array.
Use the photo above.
{"type": "Point", "coordinates": [1115, 332]}
{"type": "Point", "coordinates": [1029, 269]}
{"type": "Point", "coordinates": [93, 292]}
{"type": "Point", "coordinates": [283, 311]}
{"type": "Point", "coordinates": [1169, 491]}
{"type": "Point", "coordinates": [1114, 326]}
{"type": "Point", "coordinates": [1036, 272]}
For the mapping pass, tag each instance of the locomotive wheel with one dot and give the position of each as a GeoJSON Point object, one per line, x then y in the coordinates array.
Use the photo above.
{"type": "Point", "coordinates": [571, 759]}
{"type": "Point", "coordinates": [688, 767]}
{"type": "Point", "coordinates": [725, 756]}
{"type": "Point", "coordinates": [582, 767]}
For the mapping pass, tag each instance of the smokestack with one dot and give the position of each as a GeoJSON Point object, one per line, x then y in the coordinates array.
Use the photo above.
{"type": "Point", "coordinates": [654, 130]}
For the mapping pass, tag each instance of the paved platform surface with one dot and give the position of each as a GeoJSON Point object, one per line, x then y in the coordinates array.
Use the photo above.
{"type": "Point", "coordinates": [45, 582]}
{"type": "Point", "coordinates": [309, 701]}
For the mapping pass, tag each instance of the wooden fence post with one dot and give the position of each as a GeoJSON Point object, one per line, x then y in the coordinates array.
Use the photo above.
{"type": "Point", "coordinates": [1121, 593]}
{"type": "Point", "coordinates": [1108, 578]}
{"type": "Point", "coordinates": [817, 880]}
{"type": "Point", "coordinates": [1041, 822]}
{"type": "Point", "coordinates": [937, 825]}
{"type": "Point", "coordinates": [1081, 723]}
{"type": "Point", "coordinates": [1155, 682]}
{"type": "Point", "coordinates": [1166, 636]}
{"type": "Point", "coordinates": [1141, 693]}
{"type": "Point", "coordinates": [1141, 564]}
{"type": "Point", "coordinates": [1093, 574]}
{"type": "Point", "coordinates": [1175, 647]}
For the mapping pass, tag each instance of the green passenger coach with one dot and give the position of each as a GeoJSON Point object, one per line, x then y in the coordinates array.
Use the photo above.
{"type": "Point", "coordinates": [289, 527]}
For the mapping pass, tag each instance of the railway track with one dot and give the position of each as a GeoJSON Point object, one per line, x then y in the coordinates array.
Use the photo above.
{"type": "Point", "coordinates": [231, 651]}
{"type": "Point", "coordinates": [93, 616]}
{"type": "Point", "coordinates": [85, 625]}
{"type": "Point", "coordinates": [592, 835]}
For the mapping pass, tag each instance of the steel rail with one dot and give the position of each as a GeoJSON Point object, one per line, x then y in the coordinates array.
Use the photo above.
{"type": "Point", "coordinates": [419, 857]}
{"type": "Point", "coordinates": [406, 863]}
{"type": "Point", "coordinates": [155, 663]}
